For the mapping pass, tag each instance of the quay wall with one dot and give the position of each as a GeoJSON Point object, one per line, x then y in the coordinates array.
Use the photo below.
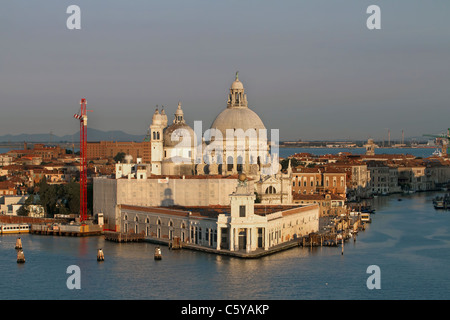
{"type": "Point", "coordinates": [27, 220]}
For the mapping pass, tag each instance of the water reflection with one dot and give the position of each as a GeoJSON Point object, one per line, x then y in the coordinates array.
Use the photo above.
{"type": "Point", "coordinates": [409, 240]}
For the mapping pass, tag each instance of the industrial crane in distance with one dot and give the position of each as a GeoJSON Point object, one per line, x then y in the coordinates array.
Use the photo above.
{"type": "Point", "coordinates": [444, 141]}
{"type": "Point", "coordinates": [82, 117]}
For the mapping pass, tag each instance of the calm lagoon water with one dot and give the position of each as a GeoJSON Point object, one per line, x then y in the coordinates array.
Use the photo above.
{"type": "Point", "coordinates": [409, 240]}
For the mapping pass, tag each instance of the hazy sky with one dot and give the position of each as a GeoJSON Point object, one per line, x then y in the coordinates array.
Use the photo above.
{"type": "Point", "coordinates": [310, 68]}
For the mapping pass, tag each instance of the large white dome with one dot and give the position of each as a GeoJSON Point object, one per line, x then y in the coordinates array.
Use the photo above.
{"type": "Point", "coordinates": [237, 115]}
{"type": "Point", "coordinates": [237, 118]}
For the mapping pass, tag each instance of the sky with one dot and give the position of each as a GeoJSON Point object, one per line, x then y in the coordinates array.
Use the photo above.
{"type": "Point", "coordinates": [311, 69]}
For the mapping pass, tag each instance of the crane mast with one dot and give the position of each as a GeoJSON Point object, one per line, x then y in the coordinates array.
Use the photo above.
{"type": "Point", "coordinates": [82, 117]}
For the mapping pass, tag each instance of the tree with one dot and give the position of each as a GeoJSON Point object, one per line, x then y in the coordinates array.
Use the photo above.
{"type": "Point", "coordinates": [24, 210]}
{"type": "Point", "coordinates": [285, 162]}
{"type": "Point", "coordinates": [72, 196]}
{"type": "Point", "coordinates": [119, 157]}
{"type": "Point", "coordinates": [48, 197]}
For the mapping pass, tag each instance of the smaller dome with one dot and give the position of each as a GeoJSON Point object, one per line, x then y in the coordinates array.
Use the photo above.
{"type": "Point", "coordinates": [237, 85]}
{"type": "Point", "coordinates": [179, 111]}
{"type": "Point", "coordinates": [157, 118]}
{"type": "Point", "coordinates": [182, 130]}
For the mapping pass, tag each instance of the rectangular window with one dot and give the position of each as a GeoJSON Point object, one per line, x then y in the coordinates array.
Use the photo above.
{"type": "Point", "coordinates": [241, 211]}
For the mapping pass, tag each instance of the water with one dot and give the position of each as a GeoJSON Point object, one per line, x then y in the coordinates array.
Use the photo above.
{"type": "Point", "coordinates": [284, 152]}
{"type": "Point", "coordinates": [409, 240]}
{"type": "Point", "coordinates": [417, 152]}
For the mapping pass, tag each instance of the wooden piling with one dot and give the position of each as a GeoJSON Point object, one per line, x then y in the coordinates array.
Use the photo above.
{"type": "Point", "coordinates": [18, 243]}
{"type": "Point", "coordinates": [20, 257]}
{"type": "Point", "coordinates": [158, 255]}
{"type": "Point", "coordinates": [100, 255]}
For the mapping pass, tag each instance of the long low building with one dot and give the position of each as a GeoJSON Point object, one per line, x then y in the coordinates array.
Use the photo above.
{"type": "Point", "coordinates": [160, 191]}
{"type": "Point", "coordinates": [240, 226]}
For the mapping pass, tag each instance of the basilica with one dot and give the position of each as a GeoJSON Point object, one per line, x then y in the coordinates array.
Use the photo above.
{"type": "Point", "coordinates": [237, 142]}
{"type": "Point", "coordinates": [220, 190]}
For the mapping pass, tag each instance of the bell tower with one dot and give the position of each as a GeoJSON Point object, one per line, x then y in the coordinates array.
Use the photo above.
{"type": "Point", "coordinates": [159, 121]}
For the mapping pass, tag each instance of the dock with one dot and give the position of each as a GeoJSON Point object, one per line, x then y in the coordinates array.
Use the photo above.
{"type": "Point", "coordinates": [73, 230]}
{"type": "Point", "coordinates": [124, 237]}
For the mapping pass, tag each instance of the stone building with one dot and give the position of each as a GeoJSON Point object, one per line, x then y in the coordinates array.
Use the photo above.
{"type": "Point", "coordinates": [180, 174]}
{"type": "Point", "coordinates": [319, 180]}
{"type": "Point", "coordinates": [109, 149]}
{"type": "Point", "coordinates": [240, 226]}
{"type": "Point", "coordinates": [383, 177]}
{"type": "Point", "coordinates": [237, 142]}
{"type": "Point", "coordinates": [159, 191]}
{"type": "Point", "coordinates": [329, 204]}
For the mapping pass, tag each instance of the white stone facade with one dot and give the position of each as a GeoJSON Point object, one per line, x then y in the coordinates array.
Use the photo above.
{"type": "Point", "coordinates": [241, 226]}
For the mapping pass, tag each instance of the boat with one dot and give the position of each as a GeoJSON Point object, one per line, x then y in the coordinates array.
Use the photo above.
{"type": "Point", "coordinates": [365, 217]}
{"type": "Point", "coordinates": [12, 228]}
{"type": "Point", "coordinates": [158, 255]}
{"type": "Point", "coordinates": [437, 153]}
{"type": "Point", "coordinates": [367, 209]}
{"type": "Point", "coordinates": [439, 204]}
{"type": "Point", "coordinates": [442, 202]}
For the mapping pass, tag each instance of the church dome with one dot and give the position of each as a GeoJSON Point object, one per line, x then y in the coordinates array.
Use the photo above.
{"type": "Point", "coordinates": [182, 131]}
{"type": "Point", "coordinates": [157, 118]}
{"type": "Point", "coordinates": [237, 85]}
{"type": "Point", "coordinates": [237, 118]}
{"type": "Point", "coordinates": [237, 115]}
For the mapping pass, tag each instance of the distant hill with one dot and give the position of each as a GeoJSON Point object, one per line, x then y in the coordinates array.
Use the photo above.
{"type": "Point", "coordinates": [92, 135]}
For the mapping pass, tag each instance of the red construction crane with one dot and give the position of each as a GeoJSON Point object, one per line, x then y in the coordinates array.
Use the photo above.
{"type": "Point", "coordinates": [82, 116]}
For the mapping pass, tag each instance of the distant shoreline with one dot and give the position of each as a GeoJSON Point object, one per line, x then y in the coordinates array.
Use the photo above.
{"type": "Point", "coordinates": [342, 147]}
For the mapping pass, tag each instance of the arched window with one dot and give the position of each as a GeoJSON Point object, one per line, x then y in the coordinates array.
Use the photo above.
{"type": "Point", "coordinates": [239, 164]}
{"type": "Point", "coordinates": [271, 190]}
{"type": "Point", "coordinates": [229, 163]}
